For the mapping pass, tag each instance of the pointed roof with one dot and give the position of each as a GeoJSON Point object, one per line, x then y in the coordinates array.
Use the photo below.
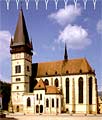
{"type": "Point", "coordinates": [69, 67]}
{"type": "Point", "coordinates": [40, 85]}
{"type": "Point", "coordinates": [65, 53]}
{"type": "Point", "coordinates": [21, 35]}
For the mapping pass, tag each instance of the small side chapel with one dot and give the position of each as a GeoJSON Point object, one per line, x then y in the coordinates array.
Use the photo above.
{"type": "Point", "coordinates": [67, 85]}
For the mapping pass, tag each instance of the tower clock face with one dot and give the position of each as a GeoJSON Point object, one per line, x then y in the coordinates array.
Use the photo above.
{"type": "Point", "coordinates": [17, 56]}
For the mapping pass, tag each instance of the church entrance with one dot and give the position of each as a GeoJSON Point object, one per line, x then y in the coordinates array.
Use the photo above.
{"type": "Point", "coordinates": [37, 108]}
{"type": "Point", "coordinates": [41, 108]}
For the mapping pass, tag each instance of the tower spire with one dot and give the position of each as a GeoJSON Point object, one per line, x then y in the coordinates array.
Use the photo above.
{"type": "Point", "coordinates": [65, 53]}
{"type": "Point", "coordinates": [21, 37]}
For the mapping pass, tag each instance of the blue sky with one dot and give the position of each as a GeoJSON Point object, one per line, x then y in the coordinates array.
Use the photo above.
{"type": "Point", "coordinates": [49, 29]}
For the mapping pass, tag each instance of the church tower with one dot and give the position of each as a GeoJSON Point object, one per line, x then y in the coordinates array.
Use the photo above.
{"type": "Point", "coordinates": [21, 60]}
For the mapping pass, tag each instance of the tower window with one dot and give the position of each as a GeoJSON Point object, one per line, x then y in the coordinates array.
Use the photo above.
{"type": "Point", "coordinates": [56, 82]}
{"type": "Point", "coordinates": [18, 79]}
{"type": "Point", "coordinates": [17, 87]}
{"type": "Point", "coordinates": [28, 102]}
{"type": "Point", "coordinates": [80, 90]}
{"type": "Point", "coordinates": [18, 69]}
{"type": "Point", "coordinates": [28, 68]}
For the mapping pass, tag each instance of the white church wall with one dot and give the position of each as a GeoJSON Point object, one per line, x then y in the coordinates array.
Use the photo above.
{"type": "Point", "coordinates": [29, 109]}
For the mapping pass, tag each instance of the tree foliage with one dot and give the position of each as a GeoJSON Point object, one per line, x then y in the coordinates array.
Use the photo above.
{"type": "Point", "coordinates": [5, 91]}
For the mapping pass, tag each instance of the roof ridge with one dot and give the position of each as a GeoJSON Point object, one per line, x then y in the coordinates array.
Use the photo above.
{"type": "Point", "coordinates": [58, 61]}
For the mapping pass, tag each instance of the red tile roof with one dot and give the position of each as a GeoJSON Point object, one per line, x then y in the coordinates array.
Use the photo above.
{"type": "Point", "coordinates": [64, 67]}
{"type": "Point", "coordinates": [48, 89]}
{"type": "Point", "coordinates": [40, 85]}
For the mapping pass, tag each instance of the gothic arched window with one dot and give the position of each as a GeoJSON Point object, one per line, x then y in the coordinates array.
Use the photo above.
{"type": "Point", "coordinates": [90, 90]}
{"type": "Point", "coordinates": [47, 103]}
{"type": "Point", "coordinates": [80, 84]}
{"type": "Point", "coordinates": [52, 102]}
{"type": "Point", "coordinates": [56, 82]}
{"type": "Point", "coordinates": [28, 102]}
{"type": "Point", "coordinates": [67, 90]}
{"type": "Point", "coordinates": [46, 82]}
{"type": "Point", "coordinates": [57, 103]}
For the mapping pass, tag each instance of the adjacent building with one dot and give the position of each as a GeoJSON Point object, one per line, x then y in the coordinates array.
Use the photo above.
{"type": "Point", "coordinates": [67, 85]}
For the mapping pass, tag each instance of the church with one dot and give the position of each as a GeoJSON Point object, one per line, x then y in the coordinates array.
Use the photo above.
{"type": "Point", "coordinates": [64, 86]}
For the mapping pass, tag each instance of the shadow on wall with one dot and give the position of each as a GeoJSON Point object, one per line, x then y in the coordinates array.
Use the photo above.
{"type": "Point", "coordinates": [8, 118]}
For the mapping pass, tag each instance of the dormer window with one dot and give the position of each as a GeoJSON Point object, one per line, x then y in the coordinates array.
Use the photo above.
{"type": "Point", "coordinates": [56, 72]}
{"type": "Point", "coordinates": [67, 72]}
{"type": "Point", "coordinates": [80, 71]}
{"type": "Point", "coordinates": [46, 73]}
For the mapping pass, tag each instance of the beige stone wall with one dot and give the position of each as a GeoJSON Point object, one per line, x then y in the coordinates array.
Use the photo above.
{"type": "Point", "coordinates": [22, 86]}
{"type": "Point", "coordinates": [30, 109]}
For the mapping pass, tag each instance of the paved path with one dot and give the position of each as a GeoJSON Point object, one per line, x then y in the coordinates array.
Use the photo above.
{"type": "Point", "coordinates": [53, 117]}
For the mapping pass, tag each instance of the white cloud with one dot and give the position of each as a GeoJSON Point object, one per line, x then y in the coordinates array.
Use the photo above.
{"type": "Point", "coordinates": [75, 36]}
{"type": "Point", "coordinates": [5, 37]}
{"type": "Point", "coordinates": [66, 15]}
{"type": "Point", "coordinates": [99, 27]}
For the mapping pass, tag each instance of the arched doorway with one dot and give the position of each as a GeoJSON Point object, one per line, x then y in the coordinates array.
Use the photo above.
{"type": "Point", "coordinates": [17, 108]}
{"type": "Point", "coordinates": [41, 108]}
{"type": "Point", "coordinates": [37, 108]}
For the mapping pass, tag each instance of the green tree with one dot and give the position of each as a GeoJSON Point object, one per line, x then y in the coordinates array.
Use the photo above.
{"type": "Point", "coordinates": [5, 90]}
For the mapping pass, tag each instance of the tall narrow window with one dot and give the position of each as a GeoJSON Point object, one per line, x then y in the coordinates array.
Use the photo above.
{"type": "Point", "coordinates": [57, 103]}
{"type": "Point", "coordinates": [67, 90]}
{"type": "Point", "coordinates": [80, 84]}
{"type": "Point", "coordinates": [28, 68]}
{"type": "Point", "coordinates": [37, 108]}
{"type": "Point", "coordinates": [52, 102]}
{"type": "Point", "coordinates": [56, 82]}
{"type": "Point", "coordinates": [47, 103]}
{"type": "Point", "coordinates": [90, 90]}
{"type": "Point", "coordinates": [18, 69]}
{"type": "Point", "coordinates": [28, 102]}
{"type": "Point", "coordinates": [40, 96]}
{"type": "Point", "coordinates": [37, 96]}
{"type": "Point", "coordinates": [46, 82]}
